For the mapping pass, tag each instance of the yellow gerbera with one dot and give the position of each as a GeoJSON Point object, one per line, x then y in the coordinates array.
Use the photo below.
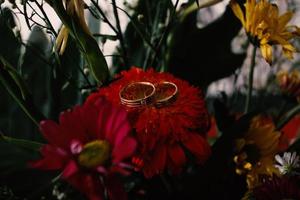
{"type": "Point", "coordinates": [265, 27]}
{"type": "Point", "coordinates": [256, 150]}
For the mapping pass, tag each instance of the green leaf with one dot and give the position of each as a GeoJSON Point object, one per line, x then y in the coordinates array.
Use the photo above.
{"type": "Point", "coordinates": [202, 55]}
{"type": "Point", "coordinates": [27, 144]}
{"type": "Point", "coordinates": [92, 53]}
{"type": "Point", "coordinates": [25, 103]}
{"type": "Point", "coordinates": [14, 158]}
{"type": "Point", "coordinates": [88, 45]}
{"type": "Point", "coordinates": [9, 43]}
{"type": "Point", "coordinates": [16, 77]}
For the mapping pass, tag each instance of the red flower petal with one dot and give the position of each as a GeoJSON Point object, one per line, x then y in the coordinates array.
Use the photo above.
{"type": "Point", "coordinates": [157, 162]}
{"type": "Point", "coordinates": [177, 157]}
{"type": "Point", "coordinates": [53, 158]}
{"type": "Point", "coordinates": [52, 133]}
{"type": "Point", "coordinates": [115, 126]}
{"type": "Point", "coordinates": [89, 184]}
{"type": "Point", "coordinates": [89, 115]}
{"type": "Point", "coordinates": [70, 169]}
{"type": "Point", "coordinates": [115, 188]}
{"type": "Point", "coordinates": [198, 146]}
{"type": "Point", "coordinates": [103, 119]}
{"type": "Point", "coordinates": [71, 125]}
{"type": "Point", "coordinates": [119, 169]}
{"type": "Point", "coordinates": [124, 149]}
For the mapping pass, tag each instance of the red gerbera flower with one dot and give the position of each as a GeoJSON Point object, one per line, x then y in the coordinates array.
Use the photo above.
{"type": "Point", "coordinates": [164, 132]}
{"type": "Point", "coordinates": [89, 145]}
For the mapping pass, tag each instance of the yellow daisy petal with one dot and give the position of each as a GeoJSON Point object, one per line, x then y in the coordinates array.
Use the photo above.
{"type": "Point", "coordinates": [266, 51]}
{"type": "Point", "coordinates": [284, 19]}
{"type": "Point", "coordinates": [264, 25]}
{"type": "Point", "coordinates": [238, 11]}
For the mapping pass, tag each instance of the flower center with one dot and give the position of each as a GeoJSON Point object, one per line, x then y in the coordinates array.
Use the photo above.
{"type": "Point", "coordinates": [247, 158]}
{"type": "Point", "coordinates": [94, 153]}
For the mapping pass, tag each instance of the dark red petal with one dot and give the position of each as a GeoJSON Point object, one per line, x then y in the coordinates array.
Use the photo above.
{"type": "Point", "coordinates": [89, 184]}
{"type": "Point", "coordinates": [124, 149]}
{"type": "Point", "coordinates": [198, 146]}
{"type": "Point", "coordinates": [70, 169]}
{"type": "Point", "coordinates": [119, 169]}
{"type": "Point", "coordinates": [160, 157]}
{"type": "Point", "coordinates": [121, 127]}
{"type": "Point", "coordinates": [104, 112]}
{"type": "Point", "coordinates": [71, 125]}
{"type": "Point", "coordinates": [121, 132]}
{"type": "Point", "coordinates": [52, 133]}
{"type": "Point", "coordinates": [115, 188]}
{"type": "Point", "coordinates": [112, 122]}
{"type": "Point", "coordinates": [53, 158]}
{"type": "Point", "coordinates": [157, 162]}
{"type": "Point", "coordinates": [92, 98]}
{"type": "Point", "coordinates": [177, 156]}
{"type": "Point", "coordinates": [89, 116]}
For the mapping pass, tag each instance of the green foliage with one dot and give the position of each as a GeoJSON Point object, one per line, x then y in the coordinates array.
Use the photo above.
{"type": "Point", "coordinates": [146, 35]}
{"type": "Point", "coordinates": [21, 155]}
{"type": "Point", "coordinates": [86, 43]}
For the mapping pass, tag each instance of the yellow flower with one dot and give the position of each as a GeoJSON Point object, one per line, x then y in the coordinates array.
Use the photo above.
{"type": "Point", "coordinates": [265, 27]}
{"type": "Point", "coordinates": [289, 83]}
{"type": "Point", "coordinates": [256, 150]}
{"type": "Point", "coordinates": [74, 8]}
{"type": "Point", "coordinates": [62, 39]}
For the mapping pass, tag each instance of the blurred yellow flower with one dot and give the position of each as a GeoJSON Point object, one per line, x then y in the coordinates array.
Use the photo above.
{"type": "Point", "coordinates": [62, 39]}
{"type": "Point", "coordinates": [256, 150]}
{"type": "Point", "coordinates": [265, 27]}
{"type": "Point", "coordinates": [289, 83]}
{"type": "Point", "coordinates": [75, 9]}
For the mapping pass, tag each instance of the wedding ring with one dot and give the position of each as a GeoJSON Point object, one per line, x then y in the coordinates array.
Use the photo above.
{"type": "Point", "coordinates": [137, 94]}
{"type": "Point", "coordinates": [166, 93]}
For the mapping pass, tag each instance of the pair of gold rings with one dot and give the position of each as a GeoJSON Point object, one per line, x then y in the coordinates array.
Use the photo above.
{"type": "Point", "coordinates": [143, 93]}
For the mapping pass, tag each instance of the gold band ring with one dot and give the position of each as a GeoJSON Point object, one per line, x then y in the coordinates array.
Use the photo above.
{"type": "Point", "coordinates": [137, 94]}
{"type": "Point", "coordinates": [166, 93]}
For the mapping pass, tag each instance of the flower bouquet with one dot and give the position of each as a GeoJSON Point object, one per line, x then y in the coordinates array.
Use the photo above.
{"type": "Point", "coordinates": [143, 123]}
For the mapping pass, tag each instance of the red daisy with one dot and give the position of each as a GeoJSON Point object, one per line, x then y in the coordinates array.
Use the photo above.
{"type": "Point", "coordinates": [89, 145]}
{"type": "Point", "coordinates": [164, 132]}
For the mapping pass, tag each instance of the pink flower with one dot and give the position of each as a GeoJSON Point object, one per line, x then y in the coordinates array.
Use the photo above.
{"type": "Point", "coordinates": [89, 145]}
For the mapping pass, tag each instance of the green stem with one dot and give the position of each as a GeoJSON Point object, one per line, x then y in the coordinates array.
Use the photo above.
{"type": "Point", "coordinates": [138, 31]}
{"type": "Point", "coordinates": [153, 30]}
{"type": "Point", "coordinates": [250, 83]}
{"type": "Point", "coordinates": [105, 19]}
{"type": "Point", "coordinates": [46, 19]}
{"type": "Point", "coordinates": [288, 116]}
{"type": "Point", "coordinates": [165, 33]}
{"type": "Point", "coordinates": [27, 144]}
{"type": "Point", "coordinates": [120, 34]}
